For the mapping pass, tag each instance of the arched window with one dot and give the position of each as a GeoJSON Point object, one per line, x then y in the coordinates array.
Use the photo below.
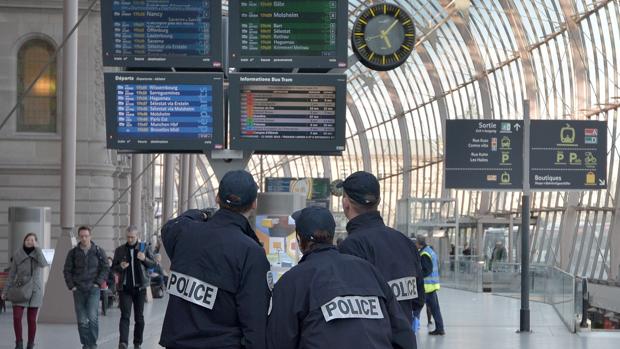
{"type": "Point", "coordinates": [38, 110]}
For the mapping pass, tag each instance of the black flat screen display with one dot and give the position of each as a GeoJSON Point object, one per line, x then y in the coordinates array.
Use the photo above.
{"type": "Point", "coordinates": [288, 34]}
{"type": "Point", "coordinates": [166, 112]}
{"type": "Point", "coordinates": [162, 33]}
{"type": "Point", "coordinates": [288, 113]}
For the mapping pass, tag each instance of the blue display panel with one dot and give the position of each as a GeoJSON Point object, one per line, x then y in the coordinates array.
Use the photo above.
{"type": "Point", "coordinates": [166, 112]}
{"type": "Point", "coordinates": [162, 33]}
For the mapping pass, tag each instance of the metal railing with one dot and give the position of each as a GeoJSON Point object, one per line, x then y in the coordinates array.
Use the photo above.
{"type": "Point", "coordinates": [549, 285]}
{"type": "Point", "coordinates": [464, 274]}
{"type": "Point", "coordinates": [561, 290]}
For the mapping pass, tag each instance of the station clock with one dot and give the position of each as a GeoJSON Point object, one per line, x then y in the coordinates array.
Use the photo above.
{"type": "Point", "coordinates": [383, 36]}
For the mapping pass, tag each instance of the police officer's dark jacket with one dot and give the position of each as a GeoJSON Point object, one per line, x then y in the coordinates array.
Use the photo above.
{"type": "Point", "coordinates": [219, 295]}
{"type": "Point", "coordinates": [392, 253]}
{"type": "Point", "coordinates": [331, 300]}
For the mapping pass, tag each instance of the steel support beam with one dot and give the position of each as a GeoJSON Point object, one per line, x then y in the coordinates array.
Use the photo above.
{"type": "Point", "coordinates": [191, 182]}
{"type": "Point", "coordinates": [614, 249]}
{"type": "Point", "coordinates": [169, 187]}
{"type": "Point", "coordinates": [57, 300]}
{"type": "Point", "coordinates": [183, 183]}
{"type": "Point", "coordinates": [567, 230]}
{"type": "Point", "coordinates": [135, 217]}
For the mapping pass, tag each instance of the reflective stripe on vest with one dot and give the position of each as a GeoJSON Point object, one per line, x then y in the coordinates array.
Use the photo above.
{"type": "Point", "coordinates": [431, 282]}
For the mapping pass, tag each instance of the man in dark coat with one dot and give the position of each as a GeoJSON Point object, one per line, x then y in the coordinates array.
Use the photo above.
{"type": "Point", "coordinates": [333, 300]}
{"type": "Point", "coordinates": [131, 261]}
{"type": "Point", "coordinates": [390, 251]}
{"type": "Point", "coordinates": [218, 289]}
{"type": "Point", "coordinates": [85, 270]}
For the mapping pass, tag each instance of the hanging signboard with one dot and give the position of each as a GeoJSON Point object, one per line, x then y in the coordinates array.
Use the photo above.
{"type": "Point", "coordinates": [568, 154]}
{"type": "Point", "coordinates": [484, 154]}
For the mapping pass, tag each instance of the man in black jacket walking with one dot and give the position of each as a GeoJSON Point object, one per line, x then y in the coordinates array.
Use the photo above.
{"type": "Point", "coordinates": [85, 270]}
{"type": "Point", "coordinates": [131, 261]}
{"type": "Point", "coordinates": [218, 289]}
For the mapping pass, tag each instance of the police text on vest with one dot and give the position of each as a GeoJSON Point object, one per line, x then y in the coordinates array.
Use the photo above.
{"type": "Point", "coordinates": [192, 290]}
{"type": "Point", "coordinates": [352, 307]}
{"type": "Point", "coordinates": [404, 288]}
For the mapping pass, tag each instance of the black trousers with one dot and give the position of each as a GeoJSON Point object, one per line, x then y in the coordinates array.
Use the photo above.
{"type": "Point", "coordinates": [433, 303]}
{"type": "Point", "coordinates": [137, 297]}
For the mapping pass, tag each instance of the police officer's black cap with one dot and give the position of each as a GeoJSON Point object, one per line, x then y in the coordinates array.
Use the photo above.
{"type": "Point", "coordinates": [237, 189]}
{"type": "Point", "coordinates": [362, 187]}
{"type": "Point", "coordinates": [312, 219]}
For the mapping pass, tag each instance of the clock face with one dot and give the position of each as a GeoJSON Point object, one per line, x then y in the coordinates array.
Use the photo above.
{"type": "Point", "coordinates": [383, 37]}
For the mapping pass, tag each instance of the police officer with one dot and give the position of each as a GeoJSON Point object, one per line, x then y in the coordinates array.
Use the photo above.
{"type": "Point", "coordinates": [218, 289]}
{"type": "Point", "coordinates": [430, 269]}
{"type": "Point", "coordinates": [390, 251]}
{"type": "Point", "coordinates": [332, 300]}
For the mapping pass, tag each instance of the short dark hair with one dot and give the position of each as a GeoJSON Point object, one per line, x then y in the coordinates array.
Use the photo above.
{"type": "Point", "coordinates": [359, 208]}
{"type": "Point", "coordinates": [237, 209]}
{"type": "Point", "coordinates": [85, 227]}
{"type": "Point", "coordinates": [29, 235]}
{"type": "Point", "coordinates": [318, 237]}
{"type": "Point", "coordinates": [421, 239]}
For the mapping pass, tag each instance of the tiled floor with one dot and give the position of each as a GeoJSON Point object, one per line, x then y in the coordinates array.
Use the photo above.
{"type": "Point", "coordinates": [66, 336]}
{"type": "Point", "coordinates": [472, 321]}
{"type": "Point", "coordinates": [482, 320]}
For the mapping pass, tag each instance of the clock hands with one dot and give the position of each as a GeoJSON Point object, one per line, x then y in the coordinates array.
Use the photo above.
{"type": "Point", "coordinates": [385, 38]}
{"type": "Point", "coordinates": [384, 33]}
{"type": "Point", "coordinates": [390, 27]}
{"type": "Point", "coordinates": [376, 36]}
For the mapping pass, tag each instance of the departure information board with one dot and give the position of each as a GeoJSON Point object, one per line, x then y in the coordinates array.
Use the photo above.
{"type": "Point", "coordinates": [162, 33]}
{"type": "Point", "coordinates": [288, 34]}
{"type": "Point", "coordinates": [295, 113]}
{"type": "Point", "coordinates": [175, 112]}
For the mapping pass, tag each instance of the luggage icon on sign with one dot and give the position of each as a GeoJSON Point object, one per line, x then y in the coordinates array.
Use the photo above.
{"type": "Point", "coordinates": [590, 178]}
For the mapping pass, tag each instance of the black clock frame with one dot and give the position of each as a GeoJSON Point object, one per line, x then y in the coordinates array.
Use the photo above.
{"type": "Point", "coordinates": [363, 52]}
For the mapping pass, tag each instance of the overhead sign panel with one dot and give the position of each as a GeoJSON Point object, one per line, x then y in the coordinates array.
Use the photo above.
{"type": "Point", "coordinates": [568, 154]}
{"type": "Point", "coordinates": [164, 112]}
{"type": "Point", "coordinates": [484, 154]}
{"type": "Point", "coordinates": [288, 113]}
{"type": "Point", "coordinates": [288, 34]}
{"type": "Point", "coordinates": [162, 33]}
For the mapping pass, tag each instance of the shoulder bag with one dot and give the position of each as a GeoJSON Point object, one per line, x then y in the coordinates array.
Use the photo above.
{"type": "Point", "coordinates": [22, 287]}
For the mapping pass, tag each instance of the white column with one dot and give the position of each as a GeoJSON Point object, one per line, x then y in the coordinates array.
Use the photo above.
{"type": "Point", "coordinates": [137, 165]}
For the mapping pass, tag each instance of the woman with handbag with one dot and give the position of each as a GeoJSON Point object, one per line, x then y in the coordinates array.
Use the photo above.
{"type": "Point", "coordinates": [24, 288]}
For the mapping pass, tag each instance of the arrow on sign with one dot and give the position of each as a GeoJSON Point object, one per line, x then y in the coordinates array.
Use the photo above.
{"type": "Point", "coordinates": [601, 182]}
{"type": "Point", "coordinates": [517, 127]}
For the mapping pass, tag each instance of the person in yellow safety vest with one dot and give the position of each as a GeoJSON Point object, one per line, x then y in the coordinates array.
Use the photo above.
{"type": "Point", "coordinates": [430, 271]}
